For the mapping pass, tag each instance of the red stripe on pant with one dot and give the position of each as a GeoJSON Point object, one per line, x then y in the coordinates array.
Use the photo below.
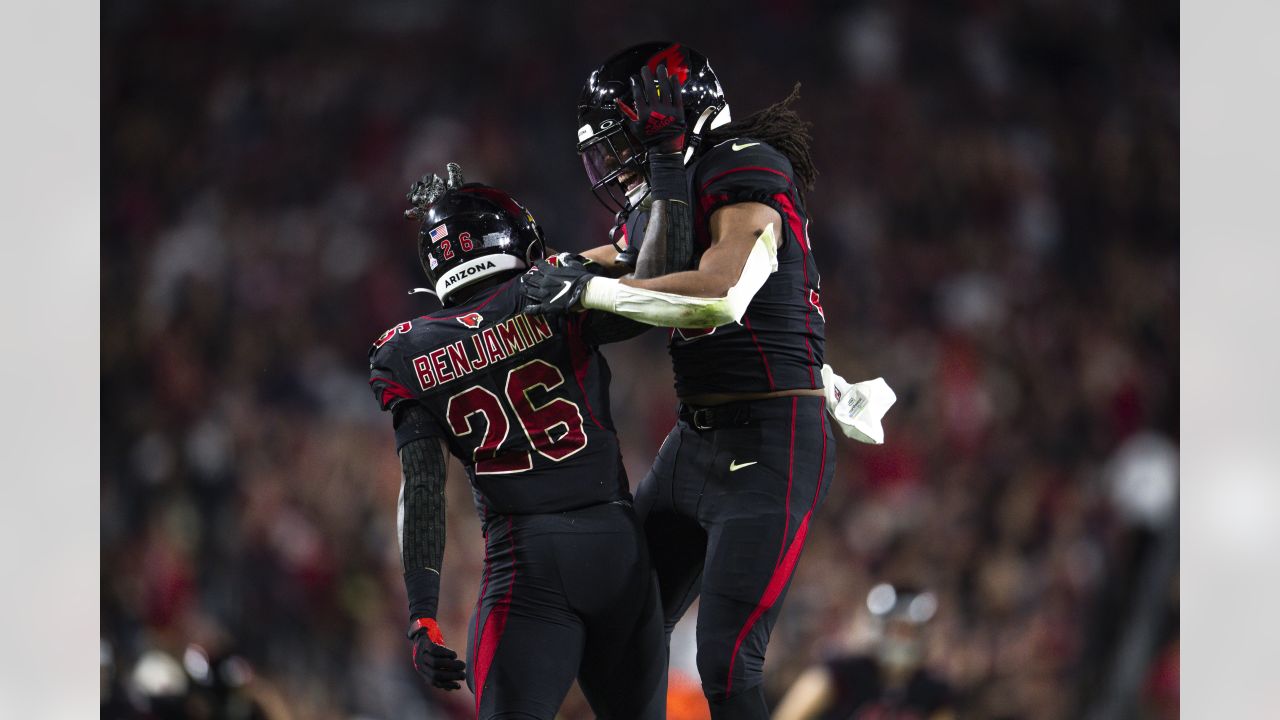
{"type": "Point", "coordinates": [487, 642]}
{"type": "Point", "coordinates": [783, 570]}
{"type": "Point", "coordinates": [484, 588]}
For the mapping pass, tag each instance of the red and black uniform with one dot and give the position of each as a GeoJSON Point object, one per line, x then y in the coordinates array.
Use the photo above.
{"type": "Point", "coordinates": [567, 591]}
{"type": "Point", "coordinates": [778, 345]}
{"type": "Point", "coordinates": [732, 494]}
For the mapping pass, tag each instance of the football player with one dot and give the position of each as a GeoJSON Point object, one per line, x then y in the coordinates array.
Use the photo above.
{"type": "Point", "coordinates": [731, 495]}
{"type": "Point", "coordinates": [891, 680]}
{"type": "Point", "coordinates": [523, 402]}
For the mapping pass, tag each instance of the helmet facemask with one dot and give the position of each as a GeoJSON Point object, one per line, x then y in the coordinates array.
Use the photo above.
{"type": "Point", "coordinates": [616, 166]}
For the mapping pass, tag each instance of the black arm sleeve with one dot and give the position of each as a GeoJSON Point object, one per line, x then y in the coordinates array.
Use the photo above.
{"type": "Point", "coordinates": [421, 516]}
{"type": "Point", "coordinates": [668, 238]}
{"type": "Point", "coordinates": [667, 246]}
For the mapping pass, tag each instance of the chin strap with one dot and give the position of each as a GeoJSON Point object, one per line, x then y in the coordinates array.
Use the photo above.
{"type": "Point", "coordinates": [620, 219]}
{"type": "Point", "coordinates": [695, 134]}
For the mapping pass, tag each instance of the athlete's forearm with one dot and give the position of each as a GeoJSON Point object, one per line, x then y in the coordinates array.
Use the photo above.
{"type": "Point", "coordinates": [668, 240]}
{"type": "Point", "coordinates": [667, 246]}
{"type": "Point", "coordinates": [682, 300]}
{"type": "Point", "coordinates": [693, 283]}
{"type": "Point", "coordinates": [606, 256]}
{"type": "Point", "coordinates": [699, 298]}
{"type": "Point", "coordinates": [421, 520]}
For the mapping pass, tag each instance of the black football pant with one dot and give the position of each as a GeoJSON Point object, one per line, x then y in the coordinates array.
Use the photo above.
{"type": "Point", "coordinates": [726, 509]}
{"type": "Point", "coordinates": [567, 595]}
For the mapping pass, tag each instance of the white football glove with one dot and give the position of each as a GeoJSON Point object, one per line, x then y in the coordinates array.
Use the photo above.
{"type": "Point", "coordinates": [857, 408]}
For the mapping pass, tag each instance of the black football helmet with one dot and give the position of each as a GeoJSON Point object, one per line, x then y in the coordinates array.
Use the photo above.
{"type": "Point", "coordinates": [469, 232]}
{"type": "Point", "coordinates": [614, 160]}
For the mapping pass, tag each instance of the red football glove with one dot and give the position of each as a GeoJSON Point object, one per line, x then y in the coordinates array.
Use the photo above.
{"type": "Point", "coordinates": [433, 661]}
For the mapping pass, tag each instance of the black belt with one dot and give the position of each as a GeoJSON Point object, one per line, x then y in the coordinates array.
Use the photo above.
{"type": "Point", "coordinates": [714, 417]}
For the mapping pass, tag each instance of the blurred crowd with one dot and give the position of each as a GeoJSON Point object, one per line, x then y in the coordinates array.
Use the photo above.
{"type": "Point", "coordinates": [996, 221]}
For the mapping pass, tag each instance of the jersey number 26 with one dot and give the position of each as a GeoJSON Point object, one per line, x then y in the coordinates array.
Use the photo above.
{"type": "Point", "coordinates": [554, 428]}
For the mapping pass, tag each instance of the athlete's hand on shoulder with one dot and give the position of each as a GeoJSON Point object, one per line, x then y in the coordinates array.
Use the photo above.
{"type": "Point", "coordinates": [657, 120]}
{"type": "Point", "coordinates": [433, 661]}
{"type": "Point", "coordinates": [554, 286]}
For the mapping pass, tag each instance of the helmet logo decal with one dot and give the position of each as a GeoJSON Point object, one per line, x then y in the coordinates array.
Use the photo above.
{"type": "Point", "coordinates": [471, 319]}
{"type": "Point", "coordinates": [438, 232]}
{"type": "Point", "coordinates": [674, 60]}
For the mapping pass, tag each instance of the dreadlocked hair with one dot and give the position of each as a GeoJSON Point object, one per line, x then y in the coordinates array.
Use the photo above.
{"type": "Point", "coordinates": [779, 126]}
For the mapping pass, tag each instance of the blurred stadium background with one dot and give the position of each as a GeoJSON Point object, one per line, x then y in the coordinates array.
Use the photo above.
{"type": "Point", "coordinates": [997, 224]}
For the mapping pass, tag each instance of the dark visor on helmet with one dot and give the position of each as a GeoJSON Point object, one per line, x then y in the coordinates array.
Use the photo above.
{"type": "Point", "coordinates": [609, 157]}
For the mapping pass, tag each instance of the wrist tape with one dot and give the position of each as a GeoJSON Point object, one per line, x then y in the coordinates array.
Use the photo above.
{"type": "Point", "coordinates": [667, 179]}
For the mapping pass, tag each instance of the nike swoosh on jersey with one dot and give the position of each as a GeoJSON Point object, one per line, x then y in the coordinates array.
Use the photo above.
{"type": "Point", "coordinates": [563, 290]}
{"type": "Point", "coordinates": [736, 466]}
{"type": "Point", "coordinates": [737, 147]}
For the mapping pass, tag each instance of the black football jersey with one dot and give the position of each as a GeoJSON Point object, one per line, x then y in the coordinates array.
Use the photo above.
{"type": "Point", "coordinates": [521, 400]}
{"type": "Point", "coordinates": [779, 343]}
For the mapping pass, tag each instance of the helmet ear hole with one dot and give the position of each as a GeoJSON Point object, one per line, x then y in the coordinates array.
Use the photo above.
{"type": "Point", "coordinates": [537, 250]}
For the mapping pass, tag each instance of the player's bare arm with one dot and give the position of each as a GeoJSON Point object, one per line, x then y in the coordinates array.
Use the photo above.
{"type": "Point", "coordinates": [742, 255]}
{"type": "Point", "coordinates": [734, 232]}
{"type": "Point", "coordinates": [606, 256]}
